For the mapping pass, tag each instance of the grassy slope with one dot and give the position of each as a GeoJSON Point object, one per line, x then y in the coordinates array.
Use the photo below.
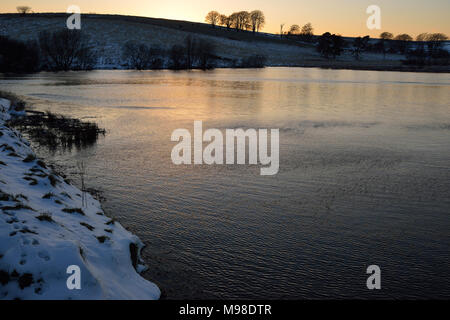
{"type": "Point", "coordinates": [110, 32]}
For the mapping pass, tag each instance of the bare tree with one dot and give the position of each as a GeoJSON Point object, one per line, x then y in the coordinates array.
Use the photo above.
{"type": "Point", "coordinates": [204, 54]}
{"type": "Point", "coordinates": [403, 37]}
{"type": "Point", "coordinates": [194, 54]}
{"type": "Point", "coordinates": [240, 20]}
{"type": "Point", "coordinates": [257, 20]}
{"type": "Point", "coordinates": [307, 32]}
{"type": "Point", "coordinates": [244, 20]}
{"type": "Point", "coordinates": [213, 18]}
{"type": "Point", "coordinates": [359, 46]}
{"type": "Point", "coordinates": [140, 56]}
{"type": "Point", "coordinates": [294, 29]}
{"type": "Point", "coordinates": [435, 42]}
{"type": "Point", "coordinates": [420, 44]}
{"type": "Point", "coordinates": [86, 59]}
{"type": "Point", "coordinates": [281, 30]}
{"type": "Point", "coordinates": [402, 42]}
{"type": "Point", "coordinates": [387, 36]}
{"type": "Point", "coordinates": [23, 10]}
{"type": "Point", "coordinates": [63, 49]}
{"type": "Point", "coordinates": [234, 20]}
{"type": "Point", "coordinates": [190, 46]}
{"type": "Point", "coordinates": [225, 21]}
{"type": "Point", "coordinates": [437, 37]}
{"type": "Point", "coordinates": [423, 36]}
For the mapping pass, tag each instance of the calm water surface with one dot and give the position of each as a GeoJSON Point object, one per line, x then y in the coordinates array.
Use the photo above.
{"type": "Point", "coordinates": [364, 177]}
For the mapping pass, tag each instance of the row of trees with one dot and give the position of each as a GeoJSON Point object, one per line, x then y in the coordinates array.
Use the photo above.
{"type": "Point", "coordinates": [433, 41]}
{"type": "Point", "coordinates": [332, 45]}
{"type": "Point", "coordinates": [421, 37]}
{"type": "Point", "coordinates": [427, 50]}
{"type": "Point", "coordinates": [59, 50]}
{"type": "Point", "coordinates": [69, 50]}
{"type": "Point", "coordinates": [305, 33]}
{"type": "Point", "coordinates": [193, 53]}
{"type": "Point", "coordinates": [242, 20]}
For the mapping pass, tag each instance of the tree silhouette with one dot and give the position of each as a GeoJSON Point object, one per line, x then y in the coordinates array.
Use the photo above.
{"type": "Point", "coordinates": [225, 21]}
{"type": "Point", "coordinates": [423, 36]}
{"type": "Point", "coordinates": [294, 29]}
{"type": "Point", "coordinates": [437, 37]}
{"type": "Point", "coordinates": [240, 20]}
{"type": "Point", "coordinates": [213, 18]}
{"type": "Point", "coordinates": [204, 54]}
{"type": "Point", "coordinates": [307, 32]}
{"type": "Point", "coordinates": [359, 46]}
{"type": "Point", "coordinates": [177, 57]}
{"type": "Point", "coordinates": [330, 45]}
{"type": "Point", "coordinates": [196, 53]}
{"type": "Point", "coordinates": [402, 41]}
{"type": "Point", "coordinates": [140, 56]}
{"type": "Point", "coordinates": [23, 10]}
{"type": "Point", "coordinates": [234, 20]}
{"type": "Point", "coordinates": [257, 20]}
{"type": "Point", "coordinates": [434, 41]}
{"type": "Point", "coordinates": [386, 36]}
{"type": "Point", "coordinates": [403, 37]}
{"type": "Point", "coordinates": [65, 49]}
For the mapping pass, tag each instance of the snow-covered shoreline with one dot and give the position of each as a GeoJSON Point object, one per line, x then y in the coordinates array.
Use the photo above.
{"type": "Point", "coordinates": [44, 229]}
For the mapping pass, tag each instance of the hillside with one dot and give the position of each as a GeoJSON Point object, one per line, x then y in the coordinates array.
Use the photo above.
{"type": "Point", "coordinates": [108, 33]}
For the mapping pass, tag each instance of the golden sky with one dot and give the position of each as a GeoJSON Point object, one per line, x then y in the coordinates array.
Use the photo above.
{"type": "Point", "coordinates": [346, 17]}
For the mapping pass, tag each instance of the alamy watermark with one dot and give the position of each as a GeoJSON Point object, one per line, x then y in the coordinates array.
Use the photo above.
{"type": "Point", "coordinates": [214, 152]}
{"type": "Point", "coordinates": [74, 280]}
{"type": "Point", "coordinates": [374, 280]}
{"type": "Point", "coordinates": [74, 21]}
{"type": "Point", "coordinates": [374, 20]}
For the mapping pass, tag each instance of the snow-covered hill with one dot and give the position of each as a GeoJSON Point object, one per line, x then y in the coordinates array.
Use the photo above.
{"type": "Point", "coordinates": [108, 34]}
{"type": "Point", "coordinates": [45, 228]}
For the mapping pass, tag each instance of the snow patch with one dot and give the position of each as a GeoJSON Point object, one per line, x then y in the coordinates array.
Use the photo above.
{"type": "Point", "coordinates": [44, 229]}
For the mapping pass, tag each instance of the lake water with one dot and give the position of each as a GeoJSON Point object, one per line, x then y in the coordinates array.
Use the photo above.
{"type": "Point", "coordinates": [364, 177]}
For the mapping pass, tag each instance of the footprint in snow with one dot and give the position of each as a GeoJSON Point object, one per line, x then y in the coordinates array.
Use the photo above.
{"type": "Point", "coordinates": [44, 255]}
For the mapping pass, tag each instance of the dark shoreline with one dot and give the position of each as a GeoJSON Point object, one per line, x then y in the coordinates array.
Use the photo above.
{"type": "Point", "coordinates": [404, 69]}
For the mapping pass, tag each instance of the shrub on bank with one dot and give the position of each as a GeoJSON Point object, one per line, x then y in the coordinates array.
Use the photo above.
{"type": "Point", "coordinates": [17, 56]}
{"type": "Point", "coordinates": [194, 54]}
{"type": "Point", "coordinates": [66, 50]}
{"type": "Point", "coordinates": [140, 56]}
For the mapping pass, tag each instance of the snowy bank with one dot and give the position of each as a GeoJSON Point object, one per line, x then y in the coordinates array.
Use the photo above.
{"type": "Point", "coordinates": [44, 229]}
